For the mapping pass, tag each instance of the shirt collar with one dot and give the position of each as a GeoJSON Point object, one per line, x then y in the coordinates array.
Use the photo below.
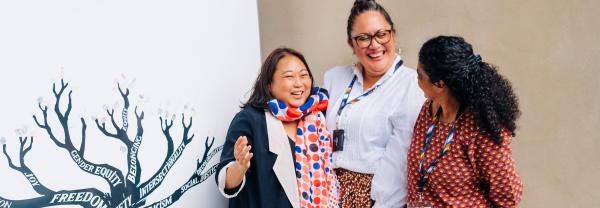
{"type": "Point", "coordinates": [357, 70]}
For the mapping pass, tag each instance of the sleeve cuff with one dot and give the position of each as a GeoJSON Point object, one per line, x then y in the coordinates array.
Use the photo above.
{"type": "Point", "coordinates": [223, 178]}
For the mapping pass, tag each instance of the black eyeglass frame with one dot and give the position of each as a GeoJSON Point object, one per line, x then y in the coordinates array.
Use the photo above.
{"type": "Point", "coordinates": [355, 38]}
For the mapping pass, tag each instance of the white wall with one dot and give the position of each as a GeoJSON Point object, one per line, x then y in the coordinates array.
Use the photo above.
{"type": "Point", "coordinates": [192, 57]}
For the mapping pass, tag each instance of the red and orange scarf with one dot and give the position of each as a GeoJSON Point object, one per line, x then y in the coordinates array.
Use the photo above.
{"type": "Point", "coordinates": [317, 183]}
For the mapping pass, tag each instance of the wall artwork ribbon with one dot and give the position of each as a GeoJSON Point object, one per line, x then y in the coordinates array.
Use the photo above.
{"type": "Point", "coordinates": [126, 187]}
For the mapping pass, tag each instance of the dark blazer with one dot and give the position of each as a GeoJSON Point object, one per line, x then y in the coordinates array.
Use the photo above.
{"type": "Point", "coordinates": [263, 186]}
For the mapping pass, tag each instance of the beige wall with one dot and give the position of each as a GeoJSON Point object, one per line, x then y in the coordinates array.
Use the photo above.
{"type": "Point", "coordinates": [549, 49]}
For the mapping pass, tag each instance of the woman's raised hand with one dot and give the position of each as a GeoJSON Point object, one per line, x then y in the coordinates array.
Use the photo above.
{"type": "Point", "coordinates": [242, 153]}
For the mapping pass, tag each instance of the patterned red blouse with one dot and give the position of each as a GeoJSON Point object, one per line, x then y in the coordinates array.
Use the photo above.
{"type": "Point", "coordinates": [475, 172]}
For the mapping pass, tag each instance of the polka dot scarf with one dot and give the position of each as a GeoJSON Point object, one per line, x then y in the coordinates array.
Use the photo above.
{"type": "Point", "coordinates": [317, 183]}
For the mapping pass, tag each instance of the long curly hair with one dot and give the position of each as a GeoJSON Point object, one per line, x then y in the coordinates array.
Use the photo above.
{"type": "Point", "coordinates": [473, 82]}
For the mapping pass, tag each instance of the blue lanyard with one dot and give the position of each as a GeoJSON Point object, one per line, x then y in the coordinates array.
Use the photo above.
{"type": "Point", "coordinates": [348, 89]}
{"type": "Point", "coordinates": [424, 173]}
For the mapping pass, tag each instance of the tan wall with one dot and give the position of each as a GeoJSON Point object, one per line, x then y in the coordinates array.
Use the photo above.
{"type": "Point", "coordinates": [549, 49]}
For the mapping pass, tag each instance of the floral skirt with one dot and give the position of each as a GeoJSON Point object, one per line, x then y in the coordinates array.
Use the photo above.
{"type": "Point", "coordinates": [355, 188]}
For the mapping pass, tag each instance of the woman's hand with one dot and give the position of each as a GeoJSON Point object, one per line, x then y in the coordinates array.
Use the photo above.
{"type": "Point", "coordinates": [242, 153]}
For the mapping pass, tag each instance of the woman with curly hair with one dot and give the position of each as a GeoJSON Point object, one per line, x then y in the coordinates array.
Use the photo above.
{"type": "Point", "coordinates": [460, 155]}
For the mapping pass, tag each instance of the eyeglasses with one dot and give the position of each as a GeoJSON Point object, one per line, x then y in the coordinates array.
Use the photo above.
{"type": "Point", "coordinates": [365, 40]}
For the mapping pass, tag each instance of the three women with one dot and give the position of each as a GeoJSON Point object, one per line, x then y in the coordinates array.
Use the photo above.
{"type": "Point", "coordinates": [459, 141]}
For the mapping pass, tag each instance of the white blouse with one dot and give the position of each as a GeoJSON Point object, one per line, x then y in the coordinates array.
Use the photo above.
{"type": "Point", "coordinates": [378, 128]}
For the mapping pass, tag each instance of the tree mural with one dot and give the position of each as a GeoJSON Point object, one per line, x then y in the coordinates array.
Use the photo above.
{"type": "Point", "coordinates": [126, 188]}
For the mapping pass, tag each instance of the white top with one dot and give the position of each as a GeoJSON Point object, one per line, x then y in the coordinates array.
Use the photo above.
{"type": "Point", "coordinates": [378, 128]}
{"type": "Point", "coordinates": [223, 178]}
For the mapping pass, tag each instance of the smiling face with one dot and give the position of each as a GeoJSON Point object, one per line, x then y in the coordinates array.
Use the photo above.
{"type": "Point", "coordinates": [376, 58]}
{"type": "Point", "coordinates": [291, 81]}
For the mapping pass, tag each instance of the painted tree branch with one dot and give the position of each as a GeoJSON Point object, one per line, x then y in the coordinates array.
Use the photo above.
{"type": "Point", "coordinates": [45, 126]}
{"type": "Point", "coordinates": [207, 156]}
{"type": "Point", "coordinates": [132, 179]}
{"type": "Point", "coordinates": [22, 167]}
{"type": "Point", "coordinates": [149, 186]}
{"type": "Point", "coordinates": [63, 118]}
{"type": "Point", "coordinates": [125, 190]}
{"type": "Point", "coordinates": [125, 111]}
{"type": "Point", "coordinates": [103, 126]}
{"type": "Point", "coordinates": [83, 197]}
{"type": "Point", "coordinates": [135, 169]}
{"type": "Point", "coordinates": [110, 174]}
{"type": "Point", "coordinates": [82, 145]}
{"type": "Point", "coordinates": [166, 131]}
{"type": "Point", "coordinates": [197, 178]}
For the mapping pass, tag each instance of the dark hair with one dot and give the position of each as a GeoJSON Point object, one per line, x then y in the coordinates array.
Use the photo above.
{"type": "Point", "coordinates": [474, 83]}
{"type": "Point", "coordinates": [361, 6]}
{"type": "Point", "coordinates": [260, 92]}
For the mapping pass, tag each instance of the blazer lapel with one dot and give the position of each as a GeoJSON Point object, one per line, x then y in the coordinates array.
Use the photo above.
{"type": "Point", "coordinates": [283, 167]}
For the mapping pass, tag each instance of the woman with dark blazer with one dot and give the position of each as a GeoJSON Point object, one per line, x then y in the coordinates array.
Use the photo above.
{"type": "Point", "coordinates": [277, 151]}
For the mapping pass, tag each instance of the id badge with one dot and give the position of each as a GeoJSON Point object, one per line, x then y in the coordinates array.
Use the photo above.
{"type": "Point", "coordinates": [338, 140]}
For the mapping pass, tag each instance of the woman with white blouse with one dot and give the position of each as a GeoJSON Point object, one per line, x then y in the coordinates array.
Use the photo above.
{"type": "Point", "coordinates": [372, 111]}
